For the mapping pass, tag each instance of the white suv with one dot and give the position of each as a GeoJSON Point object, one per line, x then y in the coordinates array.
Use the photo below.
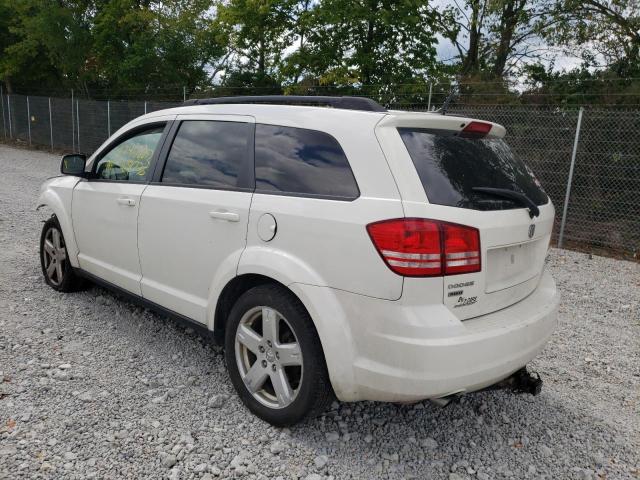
{"type": "Point", "coordinates": [374, 254]}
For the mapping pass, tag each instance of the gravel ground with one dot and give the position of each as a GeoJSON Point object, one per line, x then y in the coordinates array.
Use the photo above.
{"type": "Point", "coordinates": [94, 387]}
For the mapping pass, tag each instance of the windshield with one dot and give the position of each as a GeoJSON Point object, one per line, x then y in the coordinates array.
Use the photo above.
{"type": "Point", "coordinates": [451, 167]}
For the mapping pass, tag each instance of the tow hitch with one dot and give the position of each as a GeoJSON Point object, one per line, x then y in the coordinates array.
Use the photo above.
{"type": "Point", "coordinates": [522, 381]}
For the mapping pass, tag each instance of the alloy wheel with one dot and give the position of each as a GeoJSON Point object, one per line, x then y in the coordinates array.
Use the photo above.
{"type": "Point", "coordinates": [54, 256]}
{"type": "Point", "coordinates": [268, 356]}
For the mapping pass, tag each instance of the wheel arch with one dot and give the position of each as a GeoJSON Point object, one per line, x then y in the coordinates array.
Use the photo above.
{"type": "Point", "coordinates": [333, 331]}
{"type": "Point", "coordinates": [60, 207]}
{"type": "Point", "coordinates": [234, 288]}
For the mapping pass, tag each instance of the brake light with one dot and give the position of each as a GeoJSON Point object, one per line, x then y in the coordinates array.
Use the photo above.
{"type": "Point", "coordinates": [476, 129]}
{"type": "Point", "coordinates": [417, 247]}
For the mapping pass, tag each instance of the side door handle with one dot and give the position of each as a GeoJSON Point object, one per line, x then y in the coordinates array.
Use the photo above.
{"type": "Point", "coordinates": [223, 215]}
{"type": "Point", "coordinates": [129, 202]}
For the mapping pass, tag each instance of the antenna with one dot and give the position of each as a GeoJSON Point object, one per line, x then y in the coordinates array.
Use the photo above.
{"type": "Point", "coordinates": [447, 101]}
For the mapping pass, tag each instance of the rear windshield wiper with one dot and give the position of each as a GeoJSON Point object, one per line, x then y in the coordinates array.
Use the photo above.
{"type": "Point", "coordinates": [521, 198]}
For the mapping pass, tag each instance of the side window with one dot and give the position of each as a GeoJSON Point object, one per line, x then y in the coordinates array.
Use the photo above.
{"type": "Point", "coordinates": [207, 153]}
{"type": "Point", "coordinates": [131, 159]}
{"type": "Point", "coordinates": [303, 162]}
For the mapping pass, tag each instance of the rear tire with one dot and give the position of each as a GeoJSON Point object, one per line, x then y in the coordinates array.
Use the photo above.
{"type": "Point", "coordinates": [274, 357]}
{"type": "Point", "coordinates": [54, 259]}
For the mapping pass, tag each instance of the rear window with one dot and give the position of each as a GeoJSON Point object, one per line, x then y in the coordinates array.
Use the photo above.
{"type": "Point", "coordinates": [450, 167]}
{"type": "Point", "coordinates": [298, 161]}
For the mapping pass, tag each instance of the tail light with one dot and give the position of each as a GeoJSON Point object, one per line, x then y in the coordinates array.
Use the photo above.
{"type": "Point", "coordinates": [461, 249]}
{"type": "Point", "coordinates": [416, 247]}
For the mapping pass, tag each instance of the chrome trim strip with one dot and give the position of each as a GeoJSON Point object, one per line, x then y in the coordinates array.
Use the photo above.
{"type": "Point", "coordinates": [463, 254]}
{"type": "Point", "coordinates": [398, 263]}
{"type": "Point", "coordinates": [459, 263]}
{"type": "Point", "coordinates": [411, 256]}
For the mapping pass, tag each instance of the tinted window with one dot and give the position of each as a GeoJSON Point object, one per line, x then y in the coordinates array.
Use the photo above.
{"type": "Point", "coordinates": [301, 161]}
{"type": "Point", "coordinates": [207, 153]}
{"type": "Point", "coordinates": [450, 167]}
{"type": "Point", "coordinates": [131, 159]}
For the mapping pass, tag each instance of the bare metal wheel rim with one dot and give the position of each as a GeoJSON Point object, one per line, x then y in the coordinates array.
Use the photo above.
{"type": "Point", "coordinates": [268, 356]}
{"type": "Point", "coordinates": [54, 256]}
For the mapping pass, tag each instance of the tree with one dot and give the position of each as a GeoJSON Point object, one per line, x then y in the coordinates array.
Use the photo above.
{"type": "Point", "coordinates": [493, 37]}
{"type": "Point", "coordinates": [146, 45]}
{"type": "Point", "coordinates": [43, 44]}
{"type": "Point", "coordinates": [295, 63]}
{"type": "Point", "coordinates": [604, 33]}
{"type": "Point", "coordinates": [258, 32]}
{"type": "Point", "coordinates": [116, 45]}
{"type": "Point", "coordinates": [371, 41]}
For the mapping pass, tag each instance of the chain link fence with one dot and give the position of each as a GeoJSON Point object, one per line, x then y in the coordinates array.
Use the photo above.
{"type": "Point", "coordinates": [597, 200]}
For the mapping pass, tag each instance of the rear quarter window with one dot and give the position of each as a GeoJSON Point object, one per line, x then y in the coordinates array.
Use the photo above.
{"type": "Point", "coordinates": [450, 167]}
{"type": "Point", "coordinates": [302, 162]}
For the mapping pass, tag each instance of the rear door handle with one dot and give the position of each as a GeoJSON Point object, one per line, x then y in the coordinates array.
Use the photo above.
{"type": "Point", "coordinates": [222, 215]}
{"type": "Point", "coordinates": [129, 202]}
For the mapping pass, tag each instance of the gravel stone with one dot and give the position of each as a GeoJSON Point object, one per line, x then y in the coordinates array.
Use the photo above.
{"type": "Point", "coordinates": [60, 375]}
{"type": "Point", "coordinates": [217, 401]}
{"type": "Point", "coordinates": [8, 450]}
{"type": "Point", "coordinates": [169, 461]}
{"type": "Point", "coordinates": [86, 397]}
{"type": "Point", "coordinates": [546, 451]}
{"type": "Point", "coordinates": [332, 436]}
{"type": "Point", "coordinates": [122, 356]}
{"type": "Point", "coordinates": [277, 448]}
{"type": "Point", "coordinates": [429, 443]}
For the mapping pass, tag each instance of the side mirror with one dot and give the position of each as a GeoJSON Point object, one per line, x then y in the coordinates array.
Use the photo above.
{"type": "Point", "coordinates": [73, 164]}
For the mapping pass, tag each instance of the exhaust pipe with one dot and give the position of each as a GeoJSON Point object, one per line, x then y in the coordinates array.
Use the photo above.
{"type": "Point", "coordinates": [442, 401]}
{"type": "Point", "coordinates": [447, 399]}
{"type": "Point", "coordinates": [522, 381]}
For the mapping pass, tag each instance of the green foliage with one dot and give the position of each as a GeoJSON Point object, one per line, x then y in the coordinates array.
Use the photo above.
{"type": "Point", "coordinates": [494, 38]}
{"type": "Point", "coordinates": [579, 86]}
{"type": "Point", "coordinates": [116, 45]}
{"type": "Point", "coordinates": [604, 33]}
{"type": "Point", "coordinates": [258, 32]}
{"type": "Point", "coordinates": [372, 42]}
{"type": "Point", "coordinates": [381, 48]}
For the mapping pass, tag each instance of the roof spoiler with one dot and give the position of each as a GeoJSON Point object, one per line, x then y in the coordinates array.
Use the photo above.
{"type": "Point", "coordinates": [346, 103]}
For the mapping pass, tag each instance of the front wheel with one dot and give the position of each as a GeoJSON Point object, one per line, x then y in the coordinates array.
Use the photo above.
{"type": "Point", "coordinates": [274, 357]}
{"type": "Point", "coordinates": [54, 259]}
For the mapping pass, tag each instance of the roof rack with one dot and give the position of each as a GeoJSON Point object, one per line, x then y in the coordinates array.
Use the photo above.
{"type": "Point", "coordinates": [347, 103]}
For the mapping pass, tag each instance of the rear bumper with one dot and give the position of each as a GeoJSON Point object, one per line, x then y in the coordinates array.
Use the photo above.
{"type": "Point", "coordinates": [400, 354]}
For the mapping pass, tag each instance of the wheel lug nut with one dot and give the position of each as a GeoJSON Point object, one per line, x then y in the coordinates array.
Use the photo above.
{"type": "Point", "coordinates": [273, 367]}
{"type": "Point", "coordinates": [264, 364]}
{"type": "Point", "coordinates": [261, 348]}
{"type": "Point", "coordinates": [269, 343]}
{"type": "Point", "coordinates": [277, 355]}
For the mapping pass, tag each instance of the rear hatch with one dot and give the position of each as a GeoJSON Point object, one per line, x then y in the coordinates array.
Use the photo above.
{"type": "Point", "coordinates": [471, 177]}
